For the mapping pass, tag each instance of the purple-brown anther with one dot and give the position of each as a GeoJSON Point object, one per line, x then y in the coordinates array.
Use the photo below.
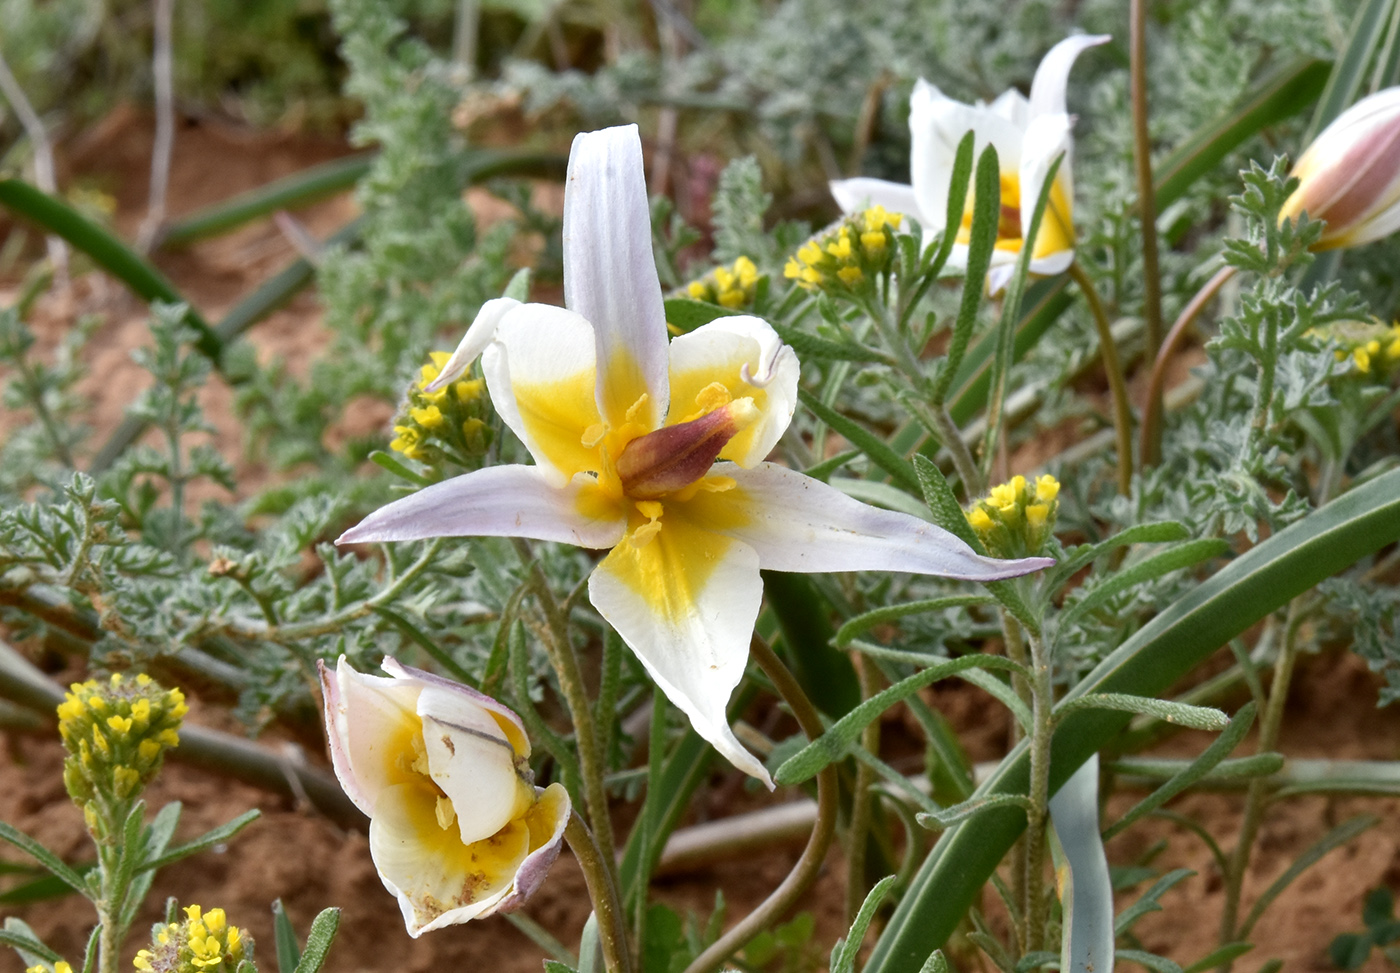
{"type": "Point", "coordinates": [674, 457]}
{"type": "Point", "coordinates": [1350, 175]}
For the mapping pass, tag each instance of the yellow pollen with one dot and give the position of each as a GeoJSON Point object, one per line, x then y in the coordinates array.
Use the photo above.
{"type": "Point", "coordinates": [650, 509]}
{"type": "Point", "coordinates": [637, 407]}
{"type": "Point", "coordinates": [446, 814]}
{"type": "Point", "coordinates": [712, 397]}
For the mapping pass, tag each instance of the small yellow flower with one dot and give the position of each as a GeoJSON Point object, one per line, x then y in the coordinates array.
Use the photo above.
{"type": "Point", "coordinates": [734, 286]}
{"type": "Point", "coordinates": [203, 943]}
{"type": "Point", "coordinates": [1373, 348]}
{"type": "Point", "coordinates": [1016, 519]}
{"type": "Point", "coordinates": [845, 257]}
{"type": "Point", "coordinates": [116, 733]}
{"type": "Point", "coordinates": [431, 426]}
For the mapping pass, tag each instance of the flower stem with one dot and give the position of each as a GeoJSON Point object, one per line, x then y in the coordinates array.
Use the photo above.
{"type": "Point", "coordinates": [857, 837]}
{"type": "Point", "coordinates": [804, 873]}
{"type": "Point", "coordinates": [1042, 706]}
{"type": "Point", "coordinates": [1150, 443]}
{"type": "Point", "coordinates": [602, 890]}
{"type": "Point", "coordinates": [1142, 156]}
{"type": "Point", "coordinates": [1259, 787]}
{"type": "Point", "coordinates": [565, 662]}
{"type": "Point", "coordinates": [1113, 366]}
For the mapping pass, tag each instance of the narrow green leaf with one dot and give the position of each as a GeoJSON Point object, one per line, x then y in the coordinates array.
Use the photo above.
{"type": "Point", "coordinates": [554, 966]}
{"type": "Point", "coordinates": [937, 963]}
{"type": "Point", "coordinates": [1155, 963]}
{"type": "Point", "coordinates": [386, 461]}
{"type": "Point", "coordinates": [880, 495]}
{"type": "Point", "coordinates": [286, 944]}
{"type": "Point", "coordinates": [109, 253]}
{"type": "Point", "coordinates": [867, 442]}
{"type": "Point", "coordinates": [519, 287]}
{"type": "Point", "coordinates": [1180, 714]}
{"type": "Point", "coordinates": [1181, 636]}
{"type": "Point", "coordinates": [687, 314]}
{"type": "Point", "coordinates": [418, 638]}
{"type": "Point", "coordinates": [27, 944]}
{"type": "Point", "coordinates": [1280, 95]}
{"type": "Point", "coordinates": [209, 839]}
{"type": "Point", "coordinates": [1349, 72]}
{"type": "Point", "coordinates": [1220, 957]}
{"type": "Point", "coordinates": [961, 812]}
{"type": "Point", "coordinates": [1147, 902]}
{"type": "Point", "coordinates": [811, 346]}
{"type": "Point", "coordinates": [36, 890]}
{"type": "Point", "coordinates": [849, 948]}
{"type": "Point", "coordinates": [1198, 768]}
{"type": "Point", "coordinates": [986, 214]}
{"type": "Point", "coordinates": [957, 202]}
{"type": "Point", "coordinates": [833, 744]}
{"type": "Point", "coordinates": [318, 941]}
{"type": "Point", "coordinates": [1331, 841]}
{"type": "Point", "coordinates": [865, 622]}
{"type": "Point", "coordinates": [1157, 533]}
{"type": "Point", "coordinates": [1175, 558]}
{"type": "Point", "coordinates": [43, 856]}
{"type": "Point", "coordinates": [298, 189]}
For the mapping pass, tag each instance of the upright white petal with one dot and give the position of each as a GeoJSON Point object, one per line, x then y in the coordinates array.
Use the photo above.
{"type": "Point", "coordinates": [471, 760]}
{"type": "Point", "coordinates": [369, 720]}
{"type": "Point", "coordinates": [856, 195]}
{"type": "Point", "coordinates": [541, 373]}
{"type": "Point", "coordinates": [610, 272]}
{"type": "Point", "coordinates": [1012, 106]}
{"type": "Point", "coordinates": [799, 524]}
{"type": "Point", "coordinates": [1052, 77]}
{"type": "Point", "coordinates": [499, 501]}
{"type": "Point", "coordinates": [686, 605]}
{"type": "Point", "coordinates": [474, 342]}
{"type": "Point", "coordinates": [1047, 139]}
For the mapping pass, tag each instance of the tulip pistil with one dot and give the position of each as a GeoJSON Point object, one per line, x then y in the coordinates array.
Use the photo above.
{"type": "Point", "coordinates": [674, 457]}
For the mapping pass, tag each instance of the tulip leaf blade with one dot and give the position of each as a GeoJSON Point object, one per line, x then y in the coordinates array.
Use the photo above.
{"type": "Point", "coordinates": [1185, 633]}
{"type": "Point", "coordinates": [1174, 558]}
{"type": "Point", "coordinates": [1349, 70]}
{"type": "Point", "coordinates": [284, 939]}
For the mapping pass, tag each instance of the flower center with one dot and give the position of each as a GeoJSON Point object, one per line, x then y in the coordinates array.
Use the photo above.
{"type": "Point", "coordinates": [1009, 220]}
{"type": "Point", "coordinates": [673, 457]}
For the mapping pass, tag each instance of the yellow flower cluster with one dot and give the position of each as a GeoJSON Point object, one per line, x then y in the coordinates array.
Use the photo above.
{"type": "Point", "coordinates": [203, 943]}
{"type": "Point", "coordinates": [1017, 518]}
{"type": "Point", "coordinates": [848, 256]}
{"type": "Point", "coordinates": [1372, 347]}
{"type": "Point", "coordinates": [733, 287]}
{"type": "Point", "coordinates": [446, 424]}
{"type": "Point", "coordinates": [59, 967]}
{"type": "Point", "coordinates": [116, 732]}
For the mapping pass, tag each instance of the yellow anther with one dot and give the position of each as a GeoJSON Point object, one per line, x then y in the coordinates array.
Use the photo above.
{"type": "Point", "coordinates": [650, 509]}
{"type": "Point", "coordinates": [636, 409]}
{"type": "Point", "coordinates": [445, 812]}
{"type": "Point", "coordinates": [712, 397]}
{"type": "Point", "coordinates": [644, 534]}
{"type": "Point", "coordinates": [593, 435]}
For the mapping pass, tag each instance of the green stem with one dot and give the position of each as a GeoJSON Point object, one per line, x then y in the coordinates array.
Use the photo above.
{"type": "Point", "coordinates": [1142, 156]}
{"type": "Point", "coordinates": [805, 872]}
{"type": "Point", "coordinates": [1150, 441]}
{"type": "Point", "coordinates": [602, 890]}
{"type": "Point", "coordinates": [592, 761]}
{"type": "Point", "coordinates": [1042, 707]}
{"type": "Point", "coordinates": [1113, 366]}
{"type": "Point", "coordinates": [858, 834]}
{"type": "Point", "coordinates": [1259, 788]}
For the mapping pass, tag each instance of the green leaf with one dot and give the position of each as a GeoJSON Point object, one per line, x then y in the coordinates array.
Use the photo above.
{"type": "Point", "coordinates": [289, 192]}
{"type": "Point", "coordinates": [1332, 840]}
{"type": "Point", "coordinates": [687, 314]}
{"type": "Point", "coordinates": [1147, 902]}
{"type": "Point", "coordinates": [205, 841]}
{"type": "Point", "coordinates": [833, 744]}
{"type": "Point", "coordinates": [1158, 964]}
{"type": "Point", "coordinates": [543, 938]}
{"type": "Point", "coordinates": [880, 495]}
{"type": "Point", "coordinates": [1005, 695]}
{"type": "Point", "coordinates": [986, 214]}
{"type": "Point", "coordinates": [973, 806]}
{"type": "Point", "coordinates": [937, 963]}
{"type": "Point", "coordinates": [1180, 714]}
{"type": "Point", "coordinates": [554, 966]}
{"type": "Point", "coordinates": [26, 943]}
{"type": "Point", "coordinates": [107, 252]}
{"type": "Point", "coordinates": [1180, 637]}
{"type": "Point", "coordinates": [1282, 94]}
{"type": "Point", "coordinates": [386, 461]}
{"type": "Point", "coordinates": [435, 651]}
{"type": "Point", "coordinates": [1349, 72]}
{"type": "Point", "coordinates": [1175, 558]}
{"type": "Point", "coordinates": [286, 944]}
{"type": "Point", "coordinates": [957, 202]}
{"type": "Point", "coordinates": [1085, 554]}
{"type": "Point", "coordinates": [1349, 950]}
{"type": "Point", "coordinates": [1225, 954]}
{"type": "Point", "coordinates": [844, 956]}
{"type": "Point", "coordinates": [318, 941]}
{"type": "Point", "coordinates": [519, 287]}
{"type": "Point", "coordinates": [1198, 768]}
{"type": "Point", "coordinates": [43, 856]}
{"type": "Point", "coordinates": [810, 346]}
{"type": "Point", "coordinates": [864, 622]}
{"type": "Point", "coordinates": [867, 442]}
{"type": "Point", "coordinates": [1087, 899]}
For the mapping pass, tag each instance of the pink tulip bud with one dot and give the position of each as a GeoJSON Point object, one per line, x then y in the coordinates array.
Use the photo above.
{"type": "Point", "coordinates": [1350, 175]}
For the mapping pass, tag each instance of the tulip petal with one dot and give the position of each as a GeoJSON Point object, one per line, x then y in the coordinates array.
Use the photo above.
{"type": "Point", "coordinates": [474, 342]}
{"type": "Point", "coordinates": [937, 124]}
{"type": "Point", "coordinates": [610, 272]}
{"type": "Point", "coordinates": [856, 195]}
{"type": "Point", "coordinates": [437, 879]}
{"type": "Point", "coordinates": [799, 524]}
{"type": "Point", "coordinates": [499, 501]}
{"type": "Point", "coordinates": [1052, 77]}
{"type": "Point", "coordinates": [686, 602]}
{"type": "Point", "coordinates": [546, 821]}
{"type": "Point", "coordinates": [540, 372]}
{"type": "Point", "coordinates": [1012, 106]}
{"type": "Point", "coordinates": [746, 357]}
{"type": "Point", "coordinates": [510, 724]}
{"type": "Point", "coordinates": [473, 763]}
{"type": "Point", "coordinates": [370, 722]}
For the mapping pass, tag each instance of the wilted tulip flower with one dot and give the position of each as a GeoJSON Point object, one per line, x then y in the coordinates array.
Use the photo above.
{"type": "Point", "coordinates": [458, 830]}
{"type": "Point", "coordinates": [1029, 135]}
{"type": "Point", "coordinates": [1350, 175]}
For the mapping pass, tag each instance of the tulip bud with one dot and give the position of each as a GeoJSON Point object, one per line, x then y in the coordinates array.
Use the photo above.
{"type": "Point", "coordinates": [1350, 175]}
